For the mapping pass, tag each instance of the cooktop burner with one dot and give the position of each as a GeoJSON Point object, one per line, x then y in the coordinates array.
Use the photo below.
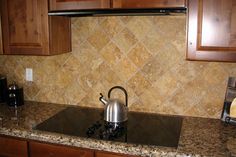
{"type": "Point", "coordinates": [141, 128]}
{"type": "Point", "coordinates": [108, 131]}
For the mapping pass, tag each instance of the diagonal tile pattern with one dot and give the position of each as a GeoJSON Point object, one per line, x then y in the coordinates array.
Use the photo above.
{"type": "Point", "coordinates": [145, 54]}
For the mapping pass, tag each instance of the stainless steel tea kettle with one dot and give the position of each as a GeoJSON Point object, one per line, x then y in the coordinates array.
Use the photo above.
{"type": "Point", "coordinates": [114, 110]}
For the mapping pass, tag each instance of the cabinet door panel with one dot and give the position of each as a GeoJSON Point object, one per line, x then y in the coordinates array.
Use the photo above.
{"type": "Point", "coordinates": [12, 147]}
{"type": "Point", "coordinates": [25, 25]}
{"type": "Point", "coordinates": [212, 30]}
{"type": "Point", "coordinates": [78, 4]}
{"type": "Point", "coordinates": [48, 150]}
{"type": "Point", "coordinates": [1, 47]}
{"type": "Point", "coordinates": [136, 4]}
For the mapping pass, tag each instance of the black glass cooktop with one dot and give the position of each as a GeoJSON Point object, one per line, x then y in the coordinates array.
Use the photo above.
{"type": "Point", "coordinates": [141, 128]}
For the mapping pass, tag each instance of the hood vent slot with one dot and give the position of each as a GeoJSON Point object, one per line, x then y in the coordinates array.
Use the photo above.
{"type": "Point", "coordinates": [117, 12]}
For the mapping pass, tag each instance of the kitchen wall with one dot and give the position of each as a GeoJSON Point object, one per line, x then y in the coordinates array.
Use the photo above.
{"type": "Point", "coordinates": [145, 54]}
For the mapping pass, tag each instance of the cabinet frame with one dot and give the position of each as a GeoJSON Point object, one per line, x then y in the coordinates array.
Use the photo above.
{"type": "Point", "coordinates": [195, 49]}
{"type": "Point", "coordinates": [142, 4]}
{"type": "Point", "coordinates": [79, 4]}
{"type": "Point", "coordinates": [37, 33]}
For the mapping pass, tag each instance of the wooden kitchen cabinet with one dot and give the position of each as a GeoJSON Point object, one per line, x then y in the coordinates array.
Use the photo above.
{"type": "Point", "coordinates": [1, 47]}
{"type": "Point", "coordinates": [212, 30]}
{"type": "Point", "coordinates": [56, 5]}
{"type": "Point", "coordinates": [139, 4]}
{"type": "Point", "coordinates": [12, 147]}
{"type": "Point", "coordinates": [28, 30]}
{"type": "Point", "coordinates": [106, 154]}
{"type": "Point", "coordinates": [48, 150]}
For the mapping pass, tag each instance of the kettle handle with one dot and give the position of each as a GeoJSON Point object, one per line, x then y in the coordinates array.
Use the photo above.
{"type": "Point", "coordinates": [121, 88]}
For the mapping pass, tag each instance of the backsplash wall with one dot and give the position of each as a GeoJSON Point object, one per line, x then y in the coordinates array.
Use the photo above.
{"type": "Point", "coordinates": [145, 54]}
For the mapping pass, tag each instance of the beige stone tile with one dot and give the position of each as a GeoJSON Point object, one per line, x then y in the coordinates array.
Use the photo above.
{"type": "Point", "coordinates": [125, 69]}
{"type": "Point", "coordinates": [230, 68]}
{"type": "Point", "coordinates": [72, 65]}
{"type": "Point", "coordinates": [62, 79]}
{"type": "Point", "coordinates": [28, 62]}
{"type": "Point", "coordinates": [175, 28]}
{"type": "Point", "coordinates": [31, 89]}
{"type": "Point", "coordinates": [51, 94]}
{"type": "Point", "coordinates": [74, 94]}
{"type": "Point", "coordinates": [151, 99]}
{"type": "Point", "coordinates": [20, 75]}
{"type": "Point", "coordinates": [169, 57]}
{"type": "Point", "coordinates": [111, 53]}
{"type": "Point", "coordinates": [98, 39]}
{"type": "Point", "coordinates": [139, 55]}
{"type": "Point", "coordinates": [186, 97]}
{"type": "Point", "coordinates": [155, 41]}
{"type": "Point", "coordinates": [88, 57]}
{"type": "Point", "coordinates": [152, 70]}
{"type": "Point", "coordinates": [11, 64]}
{"type": "Point", "coordinates": [125, 40]}
{"type": "Point", "coordinates": [140, 26]}
{"type": "Point", "coordinates": [83, 27]}
{"type": "Point", "coordinates": [112, 26]}
{"type": "Point", "coordinates": [167, 84]}
{"type": "Point", "coordinates": [213, 102]}
{"type": "Point", "coordinates": [91, 100]}
{"type": "Point", "coordinates": [138, 106]}
{"type": "Point", "coordinates": [88, 81]}
{"type": "Point", "coordinates": [187, 71]}
{"type": "Point", "coordinates": [215, 75]}
{"type": "Point", "coordinates": [126, 19]}
{"type": "Point", "coordinates": [138, 83]}
{"type": "Point", "coordinates": [195, 111]}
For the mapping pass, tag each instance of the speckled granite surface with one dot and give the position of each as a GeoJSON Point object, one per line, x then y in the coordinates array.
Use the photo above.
{"type": "Point", "coordinates": [199, 137]}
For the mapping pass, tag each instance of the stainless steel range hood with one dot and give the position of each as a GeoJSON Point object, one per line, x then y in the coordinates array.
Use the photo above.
{"type": "Point", "coordinates": [119, 12]}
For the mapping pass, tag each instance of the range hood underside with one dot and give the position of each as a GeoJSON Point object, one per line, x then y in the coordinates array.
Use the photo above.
{"type": "Point", "coordinates": [119, 12]}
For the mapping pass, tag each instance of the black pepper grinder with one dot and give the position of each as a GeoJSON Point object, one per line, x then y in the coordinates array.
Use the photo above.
{"type": "Point", "coordinates": [15, 95]}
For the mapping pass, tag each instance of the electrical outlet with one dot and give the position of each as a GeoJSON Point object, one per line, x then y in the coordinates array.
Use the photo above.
{"type": "Point", "coordinates": [29, 74]}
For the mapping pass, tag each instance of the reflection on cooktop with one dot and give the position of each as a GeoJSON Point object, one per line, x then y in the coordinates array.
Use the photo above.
{"type": "Point", "coordinates": [141, 128]}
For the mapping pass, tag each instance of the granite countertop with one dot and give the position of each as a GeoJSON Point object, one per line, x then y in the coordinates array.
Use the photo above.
{"type": "Point", "coordinates": [199, 136]}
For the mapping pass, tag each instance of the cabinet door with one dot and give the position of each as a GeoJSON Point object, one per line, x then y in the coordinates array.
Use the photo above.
{"type": "Point", "coordinates": [212, 30]}
{"type": "Point", "coordinates": [106, 154]}
{"type": "Point", "coordinates": [78, 4]}
{"type": "Point", "coordinates": [136, 4]}
{"type": "Point", "coordinates": [47, 150]}
{"type": "Point", "coordinates": [12, 147]}
{"type": "Point", "coordinates": [1, 47]}
{"type": "Point", "coordinates": [25, 25]}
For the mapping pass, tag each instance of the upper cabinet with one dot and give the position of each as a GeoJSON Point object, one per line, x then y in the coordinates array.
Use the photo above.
{"type": "Point", "coordinates": [78, 4]}
{"type": "Point", "coordinates": [60, 5]}
{"type": "Point", "coordinates": [212, 30]}
{"type": "Point", "coordinates": [27, 29]}
{"type": "Point", "coordinates": [139, 4]}
{"type": "Point", "coordinates": [1, 48]}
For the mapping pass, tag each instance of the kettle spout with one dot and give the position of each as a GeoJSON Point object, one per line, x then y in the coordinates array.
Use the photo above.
{"type": "Point", "coordinates": [103, 100]}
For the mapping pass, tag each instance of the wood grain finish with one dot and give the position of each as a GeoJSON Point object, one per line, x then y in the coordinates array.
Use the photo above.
{"type": "Point", "coordinates": [60, 34]}
{"type": "Point", "coordinates": [212, 30]}
{"type": "Point", "coordinates": [78, 4]}
{"type": "Point", "coordinates": [48, 150]}
{"type": "Point", "coordinates": [25, 27]}
{"type": "Point", "coordinates": [12, 147]}
{"type": "Point", "coordinates": [138, 4]}
{"type": "Point", "coordinates": [28, 30]}
{"type": "Point", "coordinates": [106, 154]}
{"type": "Point", "coordinates": [1, 47]}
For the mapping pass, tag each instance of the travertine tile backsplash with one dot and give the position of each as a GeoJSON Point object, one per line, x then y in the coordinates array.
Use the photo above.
{"type": "Point", "coordinates": [145, 54]}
